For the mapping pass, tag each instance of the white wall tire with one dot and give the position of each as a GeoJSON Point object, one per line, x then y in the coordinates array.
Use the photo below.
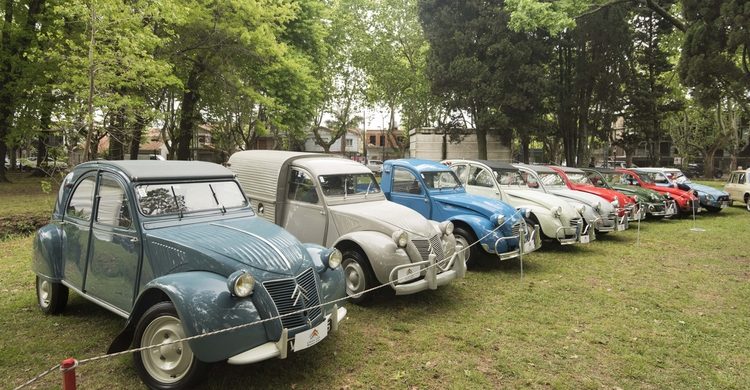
{"type": "Point", "coordinates": [52, 297]}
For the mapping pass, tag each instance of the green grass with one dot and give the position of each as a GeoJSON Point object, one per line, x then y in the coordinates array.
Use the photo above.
{"type": "Point", "coordinates": [668, 310]}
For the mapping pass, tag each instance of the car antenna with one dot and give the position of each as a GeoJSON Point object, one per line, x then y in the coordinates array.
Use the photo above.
{"type": "Point", "coordinates": [176, 203]}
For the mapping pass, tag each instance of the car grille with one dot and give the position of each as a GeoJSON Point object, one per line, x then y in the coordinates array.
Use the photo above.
{"type": "Point", "coordinates": [282, 291]}
{"type": "Point", "coordinates": [575, 221]}
{"type": "Point", "coordinates": [723, 198]}
{"type": "Point", "coordinates": [516, 230]}
{"type": "Point", "coordinates": [424, 246]}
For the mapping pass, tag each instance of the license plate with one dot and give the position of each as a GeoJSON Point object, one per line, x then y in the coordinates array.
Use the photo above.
{"type": "Point", "coordinates": [585, 239]}
{"type": "Point", "coordinates": [724, 204]}
{"type": "Point", "coordinates": [310, 337]}
{"type": "Point", "coordinates": [621, 227]}
{"type": "Point", "coordinates": [407, 274]}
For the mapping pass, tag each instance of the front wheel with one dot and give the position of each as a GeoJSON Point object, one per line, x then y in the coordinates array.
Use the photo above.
{"type": "Point", "coordinates": [466, 238]}
{"type": "Point", "coordinates": [51, 296]}
{"type": "Point", "coordinates": [747, 202]}
{"type": "Point", "coordinates": [712, 209]}
{"type": "Point", "coordinates": [358, 276]}
{"type": "Point", "coordinates": [169, 366]}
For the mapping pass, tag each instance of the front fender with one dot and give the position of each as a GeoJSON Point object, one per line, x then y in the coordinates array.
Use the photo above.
{"type": "Point", "coordinates": [332, 284]}
{"type": "Point", "coordinates": [47, 249]}
{"type": "Point", "coordinates": [485, 231]}
{"type": "Point", "coordinates": [380, 250]}
{"type": "Point", "coordinates": [547, 222]}
{"type": "Point", "coordinates": [204, 305]}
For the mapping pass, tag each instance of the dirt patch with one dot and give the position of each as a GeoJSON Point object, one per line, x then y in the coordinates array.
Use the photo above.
{"type": "Point", "coordinates": [22, 224]}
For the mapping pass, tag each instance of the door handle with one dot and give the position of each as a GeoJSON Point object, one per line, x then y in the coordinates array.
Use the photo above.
{"type": "Point", "coordinates": [134, 239]}
{"type": "Point", "coordinates": [322, 212]}
{"type": "Point", "coordinates": [425, 200]}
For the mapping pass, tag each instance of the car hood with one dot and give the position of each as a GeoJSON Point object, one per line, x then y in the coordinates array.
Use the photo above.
{"type": "Point", "coordinates": [383, 216]}
{"type": "Point", "coordinates": [478, 204]}
{"type": "Point", "coordinates": [588, 199]}
{"type": "Point", "coordinates": [702, 188]}
{"type": "Point", "coordinates": [542, 199]}
{"type": "Point", "coordinates": [605, 193]}
{"type": "Point", "coordinates": [253, 242]}
{"type": "Point", "coordinates": [644, 194]}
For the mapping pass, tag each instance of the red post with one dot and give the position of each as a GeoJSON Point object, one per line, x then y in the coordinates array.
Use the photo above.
{"type": "Point", "coordinates": [68, 369]}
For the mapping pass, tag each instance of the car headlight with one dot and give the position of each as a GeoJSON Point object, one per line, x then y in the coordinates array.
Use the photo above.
{"type": "Point", "coordinates": [400, 238]}
{"type": "Point", "coordinates": [557, 211]}
{"type": "Point", "coordinates": [241, 283]}
{"type": "Point", "coordinates": [331, 257]}
{"type": "Point", "coordinates": [446, 227]}
{"type": "Point", "coordinates": [580, 208]}
{"type": "Point", "coordinates": [711, 197]}
{"type": "Point", "coordinates": [499, 219]}
{"type": "Point", "coordinates": [635, 198]}
{"type": "Point", "coordinates": [615, 203]}
{"type": "Point", "coordinates": [526, 213]}
{"type": "Point", "coordinates": [596, 205]}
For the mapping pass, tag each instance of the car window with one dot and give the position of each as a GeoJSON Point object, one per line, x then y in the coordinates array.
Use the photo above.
{"type": "Point", "coordinates": [551, 179]}
{"type": "Point", "coordinates": [82, 200]}
{"type": "Point", "coordinates": [460, 171]}
{"type": "Point", "coordinates": [343, 185]}
{"type": "Point", "coordinates": [579, 178]}
{"type": "Point", "coordinates": [659, 178]}
{"type": "Point", "coordinates": [506, 177]}
{"type": "Point", "coordinates": [302, 187]}
{"type": "Point", "coordinates": [113, 208]}
{"type": "Point", "coordinates": [440, 179]}
{"type": "Point", "coordinates": [405, 181]}
{"type": "Point", "coordinates": [480, 177]}
{"type": "Point", "coordinates": [742, 178]}
{"type": "Point", "coordinates": [172, 198]}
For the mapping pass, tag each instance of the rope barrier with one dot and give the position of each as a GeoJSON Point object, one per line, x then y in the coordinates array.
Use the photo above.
{"type": "Point", "coordinates": [242, 326]}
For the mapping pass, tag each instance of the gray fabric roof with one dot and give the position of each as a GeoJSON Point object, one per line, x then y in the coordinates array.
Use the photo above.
{"type": "Point", "coordinates": [151, 170]}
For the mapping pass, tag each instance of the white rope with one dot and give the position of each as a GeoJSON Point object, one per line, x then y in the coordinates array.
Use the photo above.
{"type": "Point", "coordinates": [225, 330]}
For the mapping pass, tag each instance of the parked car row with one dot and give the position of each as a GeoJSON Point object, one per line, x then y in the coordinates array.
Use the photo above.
{"type": "Point", "coordinates": [270, 246]}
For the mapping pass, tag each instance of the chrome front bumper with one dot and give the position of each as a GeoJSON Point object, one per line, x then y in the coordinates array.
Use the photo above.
{"type": "Point", "coordinates": [280, 348]}
{"type": "Point", "coordinates": [431, 279]}
{"type": "Point", "coordinates": [529, 242]}
{"type": "Point", "coordinates": [562, 233]}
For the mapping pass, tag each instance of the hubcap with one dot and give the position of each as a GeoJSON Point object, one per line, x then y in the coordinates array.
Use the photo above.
{"type": "Point", "coordinates": [355, 277]}
{"type": "Point", "coordinates": [44, 293]}
{"type": "Point", "coordinates": [170, 362]}
{"type": "Point", "coordinates": [465, 243]}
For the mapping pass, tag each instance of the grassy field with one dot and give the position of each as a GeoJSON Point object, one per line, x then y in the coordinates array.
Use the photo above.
{"type": "Point", "coordinates": [666, 308]}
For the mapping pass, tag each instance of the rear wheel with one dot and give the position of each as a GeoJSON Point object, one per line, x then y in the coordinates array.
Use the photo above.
{"type": "Point", "coordinates": [358, 276]}
{"type": "Point", "coordinates": [170, 366]}
{"type": "Point", "coordinates": [51, 296]}
{"type": "Point", "coordinates": [747, 201]}
{"type": "Point", "coordinates": [466, 238]}
{"type": "Point", "coordinates": [712, 209]}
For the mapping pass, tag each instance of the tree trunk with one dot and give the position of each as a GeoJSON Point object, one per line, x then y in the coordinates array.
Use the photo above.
{"type": "Point", "coordinates": [525, 139]}
{"type": "Point", "coordinates": [189, 115]}
{"type": "Point", "coordinates": [137, 133]}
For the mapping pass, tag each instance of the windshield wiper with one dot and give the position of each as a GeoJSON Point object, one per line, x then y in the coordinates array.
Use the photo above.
{"type": "Point", "coordinates": [216, 199]}
{"type": "Point", "coordinates": [176, 203]}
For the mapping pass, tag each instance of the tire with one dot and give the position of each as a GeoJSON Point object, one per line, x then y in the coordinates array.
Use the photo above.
{"type": "Point", "coordinates": [747, 202]}
{"type": "Point", "coordinates": [172, 366]}
{"type": "Point", "coordinates": [712, 209]}
{"type": "Point", "coordinates": [52, 297]}
{"type": "Point", "coordinates": [467, 238]}
{"type": "Point", "coordinates": [358, 276]}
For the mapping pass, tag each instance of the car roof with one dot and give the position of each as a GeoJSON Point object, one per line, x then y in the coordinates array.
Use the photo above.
{"type": "Point", "coordinates": [419, 165]}
{"type": "Point", "coordinates": [651, 169]}
{"type": "Point", "coordinates": [603, 171]}
{"type": "Point", "coordinates": [567, 169]}
{"type": "Point", "coordinates": [537, 168]}
{"type": "Point", "coordinates": [152, 170]}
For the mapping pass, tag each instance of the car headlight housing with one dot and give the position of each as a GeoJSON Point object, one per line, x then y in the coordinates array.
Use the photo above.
{"type": "Point", "coordinates": [446, 227]}
{"type": "Point", "coordinates": [331, 257]}
{"type": "Point", "coordinates": [241, 283]}
{"type": "Point", "coordinates": [615, 203]}
{"type": "Point", "coordinates": [580, 208]}
{"type": "Point", "coordinates": [401, 238]}
{"type": "Point", "coordinates": [596, 205]}
{"type": "Point", "coordinates": [498, 219]}
{"type": "Point", "coordinates": [635, 198]}
{"type": "Point", "coordinates": [557, 211]}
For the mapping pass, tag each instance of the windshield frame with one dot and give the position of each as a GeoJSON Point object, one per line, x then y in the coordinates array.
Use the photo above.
{"type": "Point", "coordinates": [449, 172]}
{"type": "Point", "coordinates": [211, 189]}
{"type": "Point", "coordinates": [321, 178]}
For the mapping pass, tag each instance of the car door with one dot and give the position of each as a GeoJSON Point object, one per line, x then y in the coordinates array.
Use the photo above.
{"type": "Point", "coordinates": [731, 185]}
{"type": "Point", "coordinates": [305, 215]}
{"type": "Point", "coordinates": [115, 254]}
{"type": "Point", "coordinates": [407, 189]}
{"type": "Point", "coordinates": [76, 226]}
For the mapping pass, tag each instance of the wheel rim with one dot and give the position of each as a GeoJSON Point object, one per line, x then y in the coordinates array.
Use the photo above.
{"type": "Point", "coordinates": [45, 293]}
{"type": "Point", "coordinates": [465, 243]}
{"type": "Point", "coordinates": [170, 362]}
{"type": "Point", "coordinates": [747, 204]}
{"type": "Point", "coordinates": [355, 278]}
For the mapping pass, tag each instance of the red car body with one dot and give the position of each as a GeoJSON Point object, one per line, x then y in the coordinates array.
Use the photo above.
{"type": "Point", "coordinates": [686, 201]}
{"type": "Point", "coordinates": [626, 206]}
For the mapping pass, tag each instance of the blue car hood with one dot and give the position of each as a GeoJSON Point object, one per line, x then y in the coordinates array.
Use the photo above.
{"type": "Point", "coordinates": [251, 241]}
{"type": "Point", "coordinates": [707, 189]}
{"type": "Point", "coordinates": [478, 204]}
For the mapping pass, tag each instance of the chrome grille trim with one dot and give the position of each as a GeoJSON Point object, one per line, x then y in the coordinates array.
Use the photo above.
{"type": "Point", "coordinates": [281, 291]}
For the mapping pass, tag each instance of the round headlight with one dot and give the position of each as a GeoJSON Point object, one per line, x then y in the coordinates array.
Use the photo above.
{"type": "Point", "coordinates": [400, 238]}
{"type": "Point", "coordinates": [334, 259]}
{"type": "Point", "coordinates": [580, 209]}
{"type": "Point", "coordinates": [241, 283]}
{"type": "Point", "coordinates": [558, 211]}
{"type": "Point", "coordinates": [596, 205]}
{"type": "Point", "coordinates": [615, 203]}
{"type": "Point", "coordinates": [500, 220]}
{"type": "Point", "coordinates": [447, 227]}
{"type": "Point", "coordinates": [635, 198]}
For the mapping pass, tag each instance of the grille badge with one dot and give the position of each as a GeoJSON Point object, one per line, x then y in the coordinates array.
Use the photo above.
{"type": "Point", "coordinates": [299, 292]}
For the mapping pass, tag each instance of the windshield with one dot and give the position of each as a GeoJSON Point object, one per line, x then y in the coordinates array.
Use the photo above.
{"type": "Point", "coordinates": [579, 178]}
{"type": "Point", "coordinates": [645, 178]}
{"type": "Point", "coordinates": [349, 184]}
{"type": "Point", "coordinates": [440, 180]}
{"type": "Point", "coordinates": [597, 179]}
{"type": "Point", "coordinates": [678, 177]}
{"type": "Point", "coordinates": [550, 179]}
{"type": "Point", "coordinates": [509, 178]}
{"type": "Point", "coordinates": [179, 198]}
